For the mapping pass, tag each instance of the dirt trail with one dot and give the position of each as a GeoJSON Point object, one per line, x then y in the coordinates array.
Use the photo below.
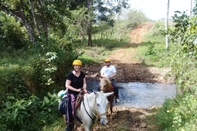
{"type": "Point", "coordinates": [130, 70]}
{"type": "Point", "coordinates": [123, 55]}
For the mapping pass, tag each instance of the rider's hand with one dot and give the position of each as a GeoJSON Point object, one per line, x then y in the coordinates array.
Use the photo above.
{"type": "Point", "coordinates": [85, 91]}
{"type": "Point", "coordinates": [107, 77]}
{"type": "Point", "coordinates": [78, 90]}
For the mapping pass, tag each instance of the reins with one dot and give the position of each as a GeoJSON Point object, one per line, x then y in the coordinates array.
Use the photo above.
{"type": "Point", "coordinates": [87, 111]}
{"type": "Point", "coordinates": [97, 114]}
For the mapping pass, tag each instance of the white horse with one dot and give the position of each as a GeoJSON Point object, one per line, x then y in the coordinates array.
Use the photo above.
{"type": "Point", "coordinates": [94, 105]}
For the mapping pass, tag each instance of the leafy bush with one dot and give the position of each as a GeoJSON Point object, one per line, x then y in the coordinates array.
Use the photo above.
{"type": "Point", "coordinates": [178, 114]}
{"type": "Point", "coordinates": [11, 33]}
{"type": "Point", "coordinates": [30, 114]}
{"type": "Point", "coordinates": [36, 69]}
{"type": "Point", "coordinates": [14, 81]}
{"type": "Point", "coordinates": [151, 50]}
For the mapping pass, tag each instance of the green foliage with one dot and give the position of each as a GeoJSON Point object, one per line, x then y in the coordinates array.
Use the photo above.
{"type": "Point", "coordinates": [165, 115]}
{"type": "Point", "coordinates": [180, 113]}
{"type": "Point", "coordinates": [181, 25]}
{"type": "Point", "coordinates": [151, 50]}
{"type": "Point", "coordinates": [103, 31]}
{"type": "Point", "coordinates": [35, 69]}
{"type": "Point", "coordinates": [156, 33]}
{"type": "Point", "coordinates": [38, 17]}
{"type": "Point", "coordinates": [13, 82]}
{"type": "Point", "coordinates": [154, 53]}
{"type": "Point", "coordinates": [51, 66]}
{"type": "Point", "coordinates": [11, 33]}
{"type": "Point", "coordinates": [28, 114]}
{"type": "Point", "coordinates": [135, 17]}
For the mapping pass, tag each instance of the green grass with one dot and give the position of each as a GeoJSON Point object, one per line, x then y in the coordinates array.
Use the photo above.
{"type": "Point", "coordinates": [100, 50]}
{"type": "Point", "coordinates": [153, 48]}
{"type": "Point", "coordinates": [58, 125]}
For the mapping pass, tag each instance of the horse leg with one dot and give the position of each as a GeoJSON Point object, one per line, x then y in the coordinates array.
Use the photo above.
{"type": "Point", "coordinates": [111, 107]}
{"type": "Point", "coordinates": [111, 110]}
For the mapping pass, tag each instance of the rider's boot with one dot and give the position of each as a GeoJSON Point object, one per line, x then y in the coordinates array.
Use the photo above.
{"type": "Point", "coordinates": [69, 127]}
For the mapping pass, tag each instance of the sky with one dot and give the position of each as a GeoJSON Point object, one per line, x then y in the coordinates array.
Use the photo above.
{"type": "Point", "coordinates": [157, 9]}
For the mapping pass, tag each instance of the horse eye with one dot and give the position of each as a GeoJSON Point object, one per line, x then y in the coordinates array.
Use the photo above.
{"type": "Point", "coordinates": [98, 104]}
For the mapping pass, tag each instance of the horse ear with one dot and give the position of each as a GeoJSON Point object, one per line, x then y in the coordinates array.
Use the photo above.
{"type": "Point", "coordinates": [108, 94]}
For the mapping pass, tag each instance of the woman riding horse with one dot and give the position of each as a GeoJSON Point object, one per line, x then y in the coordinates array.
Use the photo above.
{"type": "Point", "coordinates": [75, 83]}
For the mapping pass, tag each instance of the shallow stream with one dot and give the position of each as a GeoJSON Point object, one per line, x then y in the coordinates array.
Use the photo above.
{"type": "Point", "coordinates": [140, 95]}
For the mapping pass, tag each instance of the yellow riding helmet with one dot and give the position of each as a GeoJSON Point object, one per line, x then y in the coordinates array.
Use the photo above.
{"type": "Point", "coordinates": [107, 60]}
{"type": "Point", "coordinates": [77, 62]}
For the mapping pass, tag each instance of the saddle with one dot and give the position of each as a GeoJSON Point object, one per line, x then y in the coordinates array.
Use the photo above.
{"type": "Point", "coordinates": [77, 105]}
{"type": "Point", "coordinates": [79, 100]}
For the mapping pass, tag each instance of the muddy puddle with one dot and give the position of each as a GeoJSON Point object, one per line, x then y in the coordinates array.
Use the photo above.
{"type": "Point", "coordinates": [140, 95]}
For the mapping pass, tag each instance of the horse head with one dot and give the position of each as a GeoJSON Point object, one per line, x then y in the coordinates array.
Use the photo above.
{"type": "Point", "coordinates": [94, 105]}
{"type": "Point", "coordinates": [105, 84]}
{"type": "Point", "coordinates": [102, 106]}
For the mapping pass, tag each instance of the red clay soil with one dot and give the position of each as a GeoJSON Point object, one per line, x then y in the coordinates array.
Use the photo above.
{"type": "Point", "coordinates": [130, 70]}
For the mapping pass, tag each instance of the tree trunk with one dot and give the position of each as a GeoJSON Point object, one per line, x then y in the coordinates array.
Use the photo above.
{"type": "Point", "coordinates": [33, 15]}
{"type": "Point", "coordinates": [27, 24]}
{"type": "Point", "coordinates": [90, 34]}
{"type": "Point", "coordinates": [90, 11]}
{"type": "Point", "coordinates": [44, 23]}
{"type": "Point", "coordinates": [20, 15]}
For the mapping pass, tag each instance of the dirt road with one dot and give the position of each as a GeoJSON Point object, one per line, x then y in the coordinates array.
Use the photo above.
{"type": "Point", "coordinates": [131, 70]}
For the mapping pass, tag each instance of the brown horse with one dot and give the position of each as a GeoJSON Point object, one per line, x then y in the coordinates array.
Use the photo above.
{"type": "Point", "coordinates": [106, 86]}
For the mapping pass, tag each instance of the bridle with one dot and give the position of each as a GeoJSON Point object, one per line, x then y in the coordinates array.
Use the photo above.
{"type": "Point", "coordinates": [97, 115]}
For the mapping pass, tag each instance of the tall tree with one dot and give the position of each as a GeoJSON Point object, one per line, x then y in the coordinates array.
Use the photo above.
{"type": "Point", "coordinates": [37, 15]}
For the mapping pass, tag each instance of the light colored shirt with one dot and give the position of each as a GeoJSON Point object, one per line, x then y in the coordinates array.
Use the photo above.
{"type": "Point", "coordinates": [108, 71]}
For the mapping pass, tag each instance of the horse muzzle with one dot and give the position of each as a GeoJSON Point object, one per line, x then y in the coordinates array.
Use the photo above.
{"type": "Point", "coordinates": [104, 121]}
